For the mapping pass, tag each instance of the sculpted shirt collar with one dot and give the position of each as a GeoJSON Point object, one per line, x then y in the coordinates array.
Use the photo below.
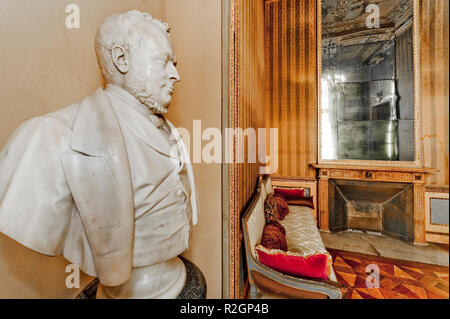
{"type": "Point", "coordinates": [129, 100]}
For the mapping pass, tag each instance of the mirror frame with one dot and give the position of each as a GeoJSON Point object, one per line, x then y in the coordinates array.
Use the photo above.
{"type": "Point", "coordinates": [417, 153]}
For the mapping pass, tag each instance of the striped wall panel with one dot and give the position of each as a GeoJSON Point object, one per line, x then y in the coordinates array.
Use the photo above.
{"type": "Point", "coordinates": [291, 91]}
{"type": "Point", "coordinates": [434, 22]}
{"type": "Point", "coordinates": [251, 87]}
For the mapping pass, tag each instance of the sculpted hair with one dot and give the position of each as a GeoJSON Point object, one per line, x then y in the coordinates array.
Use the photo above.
{"type": "Point", "coordinates": [121, 29]}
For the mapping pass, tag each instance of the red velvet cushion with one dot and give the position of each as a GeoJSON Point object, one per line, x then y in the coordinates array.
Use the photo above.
{"type": "Point", "coordinates": [282, 206]}
{"type": "Point", "coordinates": [290, 193]}
{"type": "Point", "coordinates": [274, 236]}
{"type": "Point", "coordinates": [314, 266]}
{"type": "Point", "coordinates": [270, 208]}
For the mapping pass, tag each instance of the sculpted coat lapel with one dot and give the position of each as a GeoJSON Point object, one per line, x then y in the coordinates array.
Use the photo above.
{"type": "Point", "coordinates": [98, 175]}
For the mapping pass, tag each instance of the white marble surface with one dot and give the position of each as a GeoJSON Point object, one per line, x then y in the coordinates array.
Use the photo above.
{"type": "Point", "coordinates": [160, 281]}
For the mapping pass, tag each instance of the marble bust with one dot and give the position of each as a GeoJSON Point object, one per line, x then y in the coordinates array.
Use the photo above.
{"type": "Point", "coordinates": [107, 181]}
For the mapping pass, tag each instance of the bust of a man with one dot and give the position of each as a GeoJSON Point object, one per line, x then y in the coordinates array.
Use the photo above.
{"type": "Point", "coordinates": [107, 181]}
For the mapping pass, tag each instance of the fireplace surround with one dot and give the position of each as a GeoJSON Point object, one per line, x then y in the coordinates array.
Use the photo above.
{"type": "Point", "coordinates": [411, 185]}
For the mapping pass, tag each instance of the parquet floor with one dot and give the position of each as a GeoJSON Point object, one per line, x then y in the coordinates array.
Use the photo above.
{"type": "Point", "coordinates": [397, 279]}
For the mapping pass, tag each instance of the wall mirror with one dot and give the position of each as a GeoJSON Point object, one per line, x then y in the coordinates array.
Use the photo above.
{"type": "Point", "coordinates": [368, 82]}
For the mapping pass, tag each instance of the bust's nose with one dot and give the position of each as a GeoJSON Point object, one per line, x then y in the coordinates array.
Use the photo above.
{"type": "Point", "coordinates": [174, 76]}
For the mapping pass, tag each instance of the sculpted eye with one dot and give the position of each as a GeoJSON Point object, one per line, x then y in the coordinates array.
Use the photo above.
{"type": "Point", "coordinates": [162, 60]}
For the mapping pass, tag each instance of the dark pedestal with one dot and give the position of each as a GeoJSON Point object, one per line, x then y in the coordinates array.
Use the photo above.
{"type": "Point", "coordinates": [195, 287]}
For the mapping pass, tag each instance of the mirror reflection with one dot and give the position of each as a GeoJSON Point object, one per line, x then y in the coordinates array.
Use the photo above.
{"type": "Point", "coordinates": [367, 105]}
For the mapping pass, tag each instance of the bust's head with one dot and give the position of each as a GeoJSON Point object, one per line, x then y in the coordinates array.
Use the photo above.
{"type": "Point", "coordinates": [134, 52]}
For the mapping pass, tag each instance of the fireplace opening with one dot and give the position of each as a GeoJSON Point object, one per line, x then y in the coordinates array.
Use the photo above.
{"type": "Point", "coordinates": [386, 208]}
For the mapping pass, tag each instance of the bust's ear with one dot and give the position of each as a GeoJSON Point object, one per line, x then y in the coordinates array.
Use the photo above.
{"type": "Point", "coordinates": [120, 58]}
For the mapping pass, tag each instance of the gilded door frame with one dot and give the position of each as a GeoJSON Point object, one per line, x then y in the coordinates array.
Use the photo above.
{"type": "Point", "coordinates": [230, 171]}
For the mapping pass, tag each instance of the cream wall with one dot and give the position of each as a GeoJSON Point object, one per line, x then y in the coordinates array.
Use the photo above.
{"type": "Point", "coordinates": [196, 35]}
{"type": "Point", "coordinates": [45, 66]}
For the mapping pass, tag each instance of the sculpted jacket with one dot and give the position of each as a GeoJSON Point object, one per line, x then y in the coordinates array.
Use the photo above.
{"type": "Point", "coordinates": [65, 188]}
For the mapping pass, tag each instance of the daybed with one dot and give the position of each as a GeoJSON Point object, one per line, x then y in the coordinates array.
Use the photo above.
{"type": "Point", "coordinates": [301, 235]}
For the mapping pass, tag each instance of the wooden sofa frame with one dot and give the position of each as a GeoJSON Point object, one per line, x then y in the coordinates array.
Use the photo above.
{"type": "Point", "coordinates": [272, 282]}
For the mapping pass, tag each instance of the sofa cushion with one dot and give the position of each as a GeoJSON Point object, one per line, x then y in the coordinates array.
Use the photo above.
{"type": "Point", "coordinates": [290, 193]}
{"type": "Point", "coordinates": [270, 208]}
{"type": "Point", "coordinates": [314, 266]}
{"type": "Point", "coordinates": [303, 241]}
{"type": "Point", "coordinates": [274, 236]}
{"type": "Point", "coordinates": [282, 206]}
{"type": "Point", "coordinates": [302, 233]}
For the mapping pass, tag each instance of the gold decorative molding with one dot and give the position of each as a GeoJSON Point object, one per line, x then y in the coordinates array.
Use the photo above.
{"type": "Point", "coordinates": [234, 171]}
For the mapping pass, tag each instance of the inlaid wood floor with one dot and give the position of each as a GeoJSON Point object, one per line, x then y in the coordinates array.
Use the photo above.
{"type": "Point", "coordinates": [398, 279]}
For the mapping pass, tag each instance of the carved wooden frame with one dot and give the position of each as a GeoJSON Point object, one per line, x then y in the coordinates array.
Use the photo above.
{"type": "Point", "coordinates": [435, 232]}
{"type": "Point", "coordinates": [417, 143]}
{"type": "Point", "coordinates": [414, 176]}
{"type": "Point", "coordinates": [230, 171]}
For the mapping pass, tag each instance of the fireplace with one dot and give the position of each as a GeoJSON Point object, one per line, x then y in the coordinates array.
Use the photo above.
{"type": "Point", "coordinates": [402, 213]}
{"type": "Point", "coordinates": [381, 207]}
